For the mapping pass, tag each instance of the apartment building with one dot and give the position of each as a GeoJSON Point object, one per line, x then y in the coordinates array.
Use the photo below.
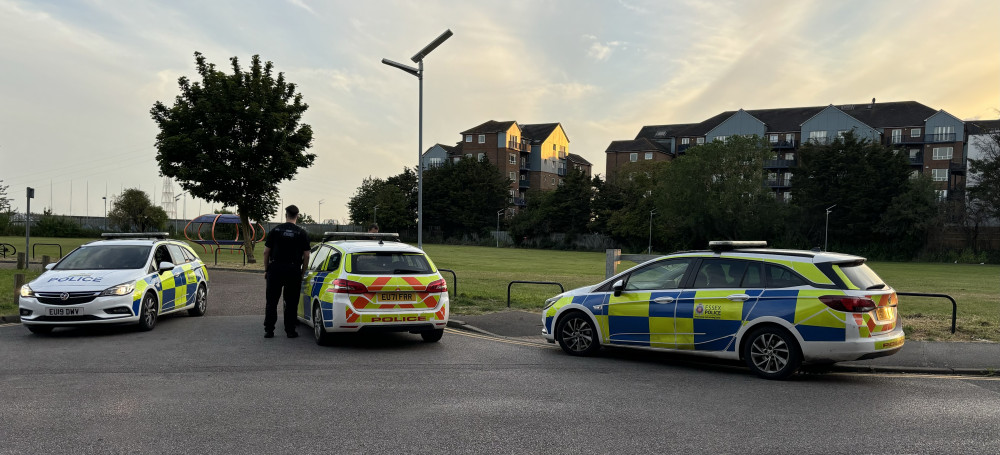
{"type": "Point", "coordinates": [532, 156]}
{"type": "Point", "coordinates": [934, 140]}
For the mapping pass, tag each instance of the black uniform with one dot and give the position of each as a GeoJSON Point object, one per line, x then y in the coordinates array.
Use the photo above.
{"type": "Point", "coordinates": [284, 271]}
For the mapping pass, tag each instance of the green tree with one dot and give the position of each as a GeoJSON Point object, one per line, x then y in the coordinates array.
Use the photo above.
{"type": "Point", "coordinates": [568, 209]}
{"type": "Point", "coordinates": [232, 138]}
{"type": "Point", "coordinates": [622, 207]}
{"type": "Point", "coordinates": [863, 179]}
{"type": "Point", "coordinates": [395, 198]}
{"type": "Point", "coordinates": [984, 181]}
{"type": "Point", "coordinates": [464, 197]}
{"type": "Point", "coordinates": [5, 202]}
{"type": "Point", "coordinates": [132, 211]}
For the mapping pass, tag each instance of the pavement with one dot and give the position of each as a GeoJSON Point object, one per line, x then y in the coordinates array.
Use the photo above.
{"type": "Point", "coordinates": [923, 357]}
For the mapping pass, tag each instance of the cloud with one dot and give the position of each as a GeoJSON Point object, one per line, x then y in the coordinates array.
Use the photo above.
{"type": "Point", "coordinates": [302, 4]}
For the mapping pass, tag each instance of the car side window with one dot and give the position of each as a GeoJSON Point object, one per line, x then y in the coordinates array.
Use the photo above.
{"type": "Point", "coordinates": [782, 277]}
{"type": "Point", "coordinates": [317, 257]}
{"type": "Point", "coordinates": [753, 278]}
{"type": "Point", "coordinates": [660, 275]}
{"type": "Point", "coordinates": [334, 262]}
{"type": "Point", "coordinates": [720, 273]}
{"type": "Point", "coordinates": [177, 253]}
{"type": "Point", "coordinates": [161, 255]}
{"type": "Point", "coordinates": [191, 257]}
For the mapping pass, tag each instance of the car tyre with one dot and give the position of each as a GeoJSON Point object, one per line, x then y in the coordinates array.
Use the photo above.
{"type": "Point", "coordinates": [772, 353]}
{"type": "Point", "coordinates": [148, 313]}
{"type": "Point", "coordinates": [432, 336]}
{"type": "Point", "coordinates": [200, 302]}
{"type": "Point", "coordinates": [323, 338]}
{"type": "Point", "coordinates": [39, 329]}
{"type": "Point", "coordinates": [577, 334]}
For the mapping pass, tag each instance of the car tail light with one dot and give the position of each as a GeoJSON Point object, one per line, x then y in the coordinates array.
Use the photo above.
{"type": "Point", "coordinates": [342, 286]}
{"type": "Point", "coordinates": [848, 303]}
{"type": "Point", "coordinates": [438, 286]}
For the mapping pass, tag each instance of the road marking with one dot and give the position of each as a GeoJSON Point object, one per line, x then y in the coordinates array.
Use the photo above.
{"type": "Point", "coordinates": [10, 324]}
{"type": "Point", "coordinates": [501, 340]}
{"type": "Point", "coordinates": [923, 376]}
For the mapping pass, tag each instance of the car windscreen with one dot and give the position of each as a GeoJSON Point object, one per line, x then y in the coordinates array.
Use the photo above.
{"type": "Point", "coordinates": [107, 257]}
{"type": "Point", "coordinates": [390, 263]}
{"type": "Point", "coordinates": [862, 276]}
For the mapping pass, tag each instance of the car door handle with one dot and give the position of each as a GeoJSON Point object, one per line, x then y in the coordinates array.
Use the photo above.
{"type": "Point", "coordinates": [664, 300]}
{"type": "Point", "coordinates": [739, 297]}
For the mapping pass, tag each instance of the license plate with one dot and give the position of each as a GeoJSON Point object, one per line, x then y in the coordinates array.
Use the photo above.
{"type": "Point", "coordinates": [396, 297]}
{"type": "Point", "coordinates": [64, 311]}
{"type": "Point", "coordinates": [884, 313]}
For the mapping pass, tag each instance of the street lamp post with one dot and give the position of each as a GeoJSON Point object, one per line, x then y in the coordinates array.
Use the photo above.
{"type": "Point", "coordinates": [375, 215]}
{"type": "Point", "coordinates": [105, 212]}
{"type": "Point", "coordinates": [319, 212]}
{"type": "Point", "coordinates": [30, 193]}
{"type": "Point", "coordinates": [175, 210]}
{"type": "Point", "coordinates": [499, 212]}
{"type": "Point", "coordinates": [419, 73]}
{"type": "Point", "coordinates": [826, 231]}
{"type": "Point", "coordinates": [649, 250]}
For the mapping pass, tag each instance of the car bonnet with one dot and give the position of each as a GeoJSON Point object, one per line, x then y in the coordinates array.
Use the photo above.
{"type": "Point", "coordinates": [83, 280]}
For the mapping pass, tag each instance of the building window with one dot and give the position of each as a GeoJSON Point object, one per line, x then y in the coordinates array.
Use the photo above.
{"type": "Point", "coordinates": [841, 133]}
{"type": "Point", "coordinates": [942, 194]}
{"type": "Point", "coordinates": [633, 157]}
{"type": "Point", "coordinates": [818, 137]}
{"type": "Point", "coordinates": [914, 153]}
{"type": "Point", "coordinates": [939, 175]}
{"type": "Point", "coordinates": [512, 177]}
{"type": "Point", "coordinates": [914, 174]}
{"type": "Point", "coordinates": [700, 140]}
{"type": "Point", "coordinates": [511, 193]}
{"type": "Point", "coordinates": [788, 196]}
{"type": "Point", "coordinates": [468, 138]}
{"type": "Point", "coordinates": [553, 147]}
{"type": "Point", "coordinates": [512, 159]}
{"type": "Point", "coordinates": [943, 153]}
{"type": "Point", "coordinates": [456, 159]}
{"type": "Point", "coordinates": [468, 155]}
{"type": "Point", "coordinates": [685, 141]}
{"type": "Point", "coordinates": [915, 132]}
{"type": "Point", "coordinates": [482, 157]}
{"type": "Point", "coordinates": [721, 138]}
{"type": "Point", "coordinates": [482, 138]}
{"type": "Point", "coordinates": [773, 138]}
{"type": "Point", "coordinates": [649, 155]}
{"type": "Point", "coordinates": [897, 136]}
{"type": "Point", "coordinates": [435, 162]}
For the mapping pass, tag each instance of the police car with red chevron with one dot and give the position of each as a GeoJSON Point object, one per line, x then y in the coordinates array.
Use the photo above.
{"type": "Point", "coordinates": [774, 309]}
{"type": "Point", "coordinates": [124, 279]}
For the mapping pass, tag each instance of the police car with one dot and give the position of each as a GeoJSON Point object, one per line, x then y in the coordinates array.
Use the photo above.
{"type": "Point", "coordinates": [126, 278]}
{"type": "Point", "coordinates": [774, 309]}
{"type": "Point", "coordinates": [371, 284]}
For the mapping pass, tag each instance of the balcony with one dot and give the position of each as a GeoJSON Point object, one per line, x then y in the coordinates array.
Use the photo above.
{"type": "Point", "coordinates": [941, 137]}
{"type": "Point", "coordinates": [779, 183]}
{"type": "Point", "coordinates": [956, 168]}
{"type": "Point", "coordinates": [523, 183]}
{"type": "Point", "coordinates": [917, 160]}
{"type": "Point", "coordinates": [520, 202]}
{"type": "Point", "coordinates": [779, 164]}
{"type": "Point", "coordinates": [561, 171]}
{"type": "Point", "coordinates": [683, 147]}
{"type": "Point", "coordinates": [525, 166]}
{"type": "Point", "coordinates": [783, 144]}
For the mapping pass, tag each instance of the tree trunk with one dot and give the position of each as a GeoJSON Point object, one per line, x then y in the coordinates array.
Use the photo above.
{"type": "Point", "coordinates": [248, 238]}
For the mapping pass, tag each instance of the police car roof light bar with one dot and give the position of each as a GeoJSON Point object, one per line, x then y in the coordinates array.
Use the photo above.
{"type": "Point", "coordinates": [134, 235]}
{"type": "Point", "coordinates": [729, 245]}
{"type": "Point", "coordinates": [362, 235]}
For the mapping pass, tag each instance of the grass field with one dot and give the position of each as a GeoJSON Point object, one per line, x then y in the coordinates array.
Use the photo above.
{"type": "Point", "coordinates": [484, 273]}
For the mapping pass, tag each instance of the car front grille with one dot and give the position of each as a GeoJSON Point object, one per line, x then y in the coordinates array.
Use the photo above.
{"type": "Point", "coordinates": [72, 298]}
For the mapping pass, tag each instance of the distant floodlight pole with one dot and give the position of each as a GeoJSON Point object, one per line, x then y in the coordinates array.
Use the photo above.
{"type": "Point", "coordinates": [30, 193]}
{"type": "Point", "coordinates": [419, 73]}
{"type": "Point", "coordinates": [649, 249]}
{"type": "Point", "coordinates": [826, 231]}
{"type": "Point", "coordinates": [105, 212]}
{"type": "Point", "coordinates": [375, 215]}
{"type": "Point", "coordinates": [319, 212]}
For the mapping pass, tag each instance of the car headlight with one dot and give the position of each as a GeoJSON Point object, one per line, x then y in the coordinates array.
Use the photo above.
{"type": "Point", "coordinates": [121, 289]}
{"type": "Point", "coordinates": [26, 291]}
{"type": "Point", "coordinates": [551, 301]}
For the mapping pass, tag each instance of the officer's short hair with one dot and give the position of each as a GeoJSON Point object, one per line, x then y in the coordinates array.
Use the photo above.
{"type": "Point", "coordinates": [291, 211]}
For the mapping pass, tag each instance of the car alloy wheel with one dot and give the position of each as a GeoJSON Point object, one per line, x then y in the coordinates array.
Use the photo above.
{"type": "Point", "coordinates": [147, 316]}
{"type": "Point", "coordinates": [319, 330]}
{"type": "Point", "coordinates": [772, 353]}
{"type": "Point", "coordinates": [577, 334]}
{"type": "Point", "coordinates": [200, 302]}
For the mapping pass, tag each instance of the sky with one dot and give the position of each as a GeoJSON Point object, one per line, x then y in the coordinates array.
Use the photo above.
{"type": "Point", "coordinates": [79, 77]}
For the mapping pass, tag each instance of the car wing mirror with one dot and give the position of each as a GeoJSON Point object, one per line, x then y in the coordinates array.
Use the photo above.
{"type": "Point", "coordinates": [617, 287]}
{"type": "Point", "coordinates": [166, 266]}
{"type": "Point", "coordinates": [50, 266]}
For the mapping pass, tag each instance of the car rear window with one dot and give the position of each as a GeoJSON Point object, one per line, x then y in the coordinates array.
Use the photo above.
{"type": "Point", "coordinates": [390, 263]}
{"type": "Point", "coordinates": [862, 276]}
{"type": "Point", "coordinates": [110, 257]}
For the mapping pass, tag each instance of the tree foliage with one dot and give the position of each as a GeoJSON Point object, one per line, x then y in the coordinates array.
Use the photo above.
{"type": "Point", "coordinates": [871, 186]}
{"type": "Point", "coordinates": [568, 209]}
{"type": "Point", "coordinates": [984, 191]}
{"type": "Point", "coordinates": [132, 211]}
{"type": "Point", "coordinates": [464, 197]}
{"type": "Point", "coordinates": [232, 138]}
{"type": "Point", "coordinates": [5, 202]}
{"type": "Point", "coordinates": [395, 197]}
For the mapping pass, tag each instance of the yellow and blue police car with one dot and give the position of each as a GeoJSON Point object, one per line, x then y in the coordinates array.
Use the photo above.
{"type": "Point", "coordinates": [372, 284]}
{"type": "Point", "coordinates": [123, 279]}
{"type": "Point", "coordinates": [774, 309]}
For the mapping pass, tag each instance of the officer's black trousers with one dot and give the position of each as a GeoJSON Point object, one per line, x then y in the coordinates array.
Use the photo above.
{"type": "Point", "coordinates": [287, 281]}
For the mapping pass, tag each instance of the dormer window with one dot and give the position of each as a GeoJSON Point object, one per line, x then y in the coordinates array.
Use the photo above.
{"type": "Point", "coordinates": [661, 133]}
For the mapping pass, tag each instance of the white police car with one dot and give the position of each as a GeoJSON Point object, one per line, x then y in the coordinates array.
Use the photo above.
{"type": "Point", "coordinates": [774, 309]}
{"type": "Point", "coordinates": [370, 285]}
{"type": "Point", "coordinates": [127, 278]}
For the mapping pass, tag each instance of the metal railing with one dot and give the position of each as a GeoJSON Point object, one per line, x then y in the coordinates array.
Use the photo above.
{"type": "Point", "coordinates": [523, 183]}
{"type": "Point", "coordinates": [561, 289]}
{"type": "Point", "coordinates": [45, 244]}
{"type": "Point", "coordinates": [454, 279]}
{"type": "Point", "coordinates": [240, 249]}
{"type": "Point", "coordinates": [783, 144]}
{"type": "Point", "coordinates": [940, 137]}
{"type": "Point", "coordinates": [520, 201]}
{"type": "Point", "coordinates": [779, 164]}
{"type": "Point", "coordinates": [954, 305]}
{"type": "Point", "coordinates": [6, 247]}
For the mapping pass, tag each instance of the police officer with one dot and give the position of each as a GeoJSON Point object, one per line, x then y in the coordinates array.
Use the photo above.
{"type": "Point", "coordinates": [286, 255]}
